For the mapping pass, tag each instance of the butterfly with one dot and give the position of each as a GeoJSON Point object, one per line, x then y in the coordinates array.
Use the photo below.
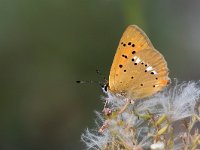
{"type": "Point", "coordinates": [138, 69]}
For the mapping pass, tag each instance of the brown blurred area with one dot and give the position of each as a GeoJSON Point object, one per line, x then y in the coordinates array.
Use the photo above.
{"type": "Point", "coordinates": [45, 46]}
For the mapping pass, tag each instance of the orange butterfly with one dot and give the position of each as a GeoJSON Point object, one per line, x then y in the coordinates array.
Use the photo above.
{"type": "Point", "coordinates": [138, 69]}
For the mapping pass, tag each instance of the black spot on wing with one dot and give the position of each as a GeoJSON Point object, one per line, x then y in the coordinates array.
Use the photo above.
{"type": "Point", "coordinates": [125, 56]}
{"type": "Point", "coordinates": [133, 52]}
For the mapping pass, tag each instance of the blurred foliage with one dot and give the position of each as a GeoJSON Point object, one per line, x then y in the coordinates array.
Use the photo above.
{"type": "Point", "coordinates": [45, 46]}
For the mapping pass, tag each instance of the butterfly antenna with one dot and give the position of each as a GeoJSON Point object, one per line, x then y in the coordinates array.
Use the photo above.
{"type": "Point", "coordinates": [90, 82]}
{"type": "Point", "coordinates": [101, 75]}
{"type": "Point", "coordinates": [102, 84]}
{"type": "Point", "coordinates": [86, 82]}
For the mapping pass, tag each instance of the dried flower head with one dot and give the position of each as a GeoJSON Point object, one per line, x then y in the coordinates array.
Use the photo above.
{"type": "Point", "coordinates": [165, 120]}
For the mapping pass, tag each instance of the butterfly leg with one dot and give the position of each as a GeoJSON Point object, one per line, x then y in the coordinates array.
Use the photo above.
{"type": "Point", "coordinates": [107, 111]}
{"type": "Point", "coordinates": [104, 126]}
{"type": "Point", "coordinates": [128, 101]}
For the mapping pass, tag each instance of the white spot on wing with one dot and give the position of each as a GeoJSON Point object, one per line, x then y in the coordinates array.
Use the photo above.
{"type": "Point", "coordinates": [135, 57]}
{"type": "Point", "coordinates": [138, 60]}
{"type": "Point", "coordinates": [154, 72]}
{"type": "Point", "coordinates": [149, 68]}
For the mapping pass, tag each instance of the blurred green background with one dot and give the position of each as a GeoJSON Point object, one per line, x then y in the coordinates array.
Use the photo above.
{"type": "Point", "coordinates": [46, 45]}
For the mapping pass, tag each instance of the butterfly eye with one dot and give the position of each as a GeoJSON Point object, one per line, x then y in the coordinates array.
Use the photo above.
{"type": "Point", "coordinates": [105, 87]}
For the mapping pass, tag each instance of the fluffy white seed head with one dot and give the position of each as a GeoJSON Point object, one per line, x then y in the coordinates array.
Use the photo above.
{"type": "Point", "coordinates": [177, 102]}
{"type": "Point", "coordinates": [158, 146]}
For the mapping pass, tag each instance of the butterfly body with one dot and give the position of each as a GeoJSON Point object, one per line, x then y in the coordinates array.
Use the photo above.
{"type": "Point", "coordinates": [138, 69]}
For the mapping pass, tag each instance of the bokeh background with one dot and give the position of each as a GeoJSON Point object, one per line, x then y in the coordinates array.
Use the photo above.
{"type": "Point", "coordinates": [46, 45]}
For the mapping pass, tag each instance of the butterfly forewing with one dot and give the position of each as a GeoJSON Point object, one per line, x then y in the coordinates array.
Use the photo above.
{"type": "Point", "coordinates": [138, 70]}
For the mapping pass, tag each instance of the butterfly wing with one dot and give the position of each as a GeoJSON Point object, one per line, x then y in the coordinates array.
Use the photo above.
{"type": "Point", "coordinates": [138, 70]}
